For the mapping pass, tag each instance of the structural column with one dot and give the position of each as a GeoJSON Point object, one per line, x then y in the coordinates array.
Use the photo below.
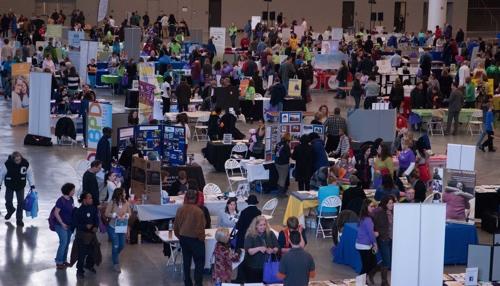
{"type": "Point", "coordinates": [437, 14]}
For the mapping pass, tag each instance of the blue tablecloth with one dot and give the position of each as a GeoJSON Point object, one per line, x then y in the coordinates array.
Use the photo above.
{"type": "Point", "coordinates": [457, 239]}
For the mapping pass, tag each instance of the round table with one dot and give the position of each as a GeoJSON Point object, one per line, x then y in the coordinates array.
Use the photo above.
{"type": "Point", "coordinates": [111, 80]}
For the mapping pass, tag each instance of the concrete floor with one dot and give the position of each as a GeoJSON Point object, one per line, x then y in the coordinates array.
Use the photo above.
{"type": "Point", "coordinates": [27, 254]}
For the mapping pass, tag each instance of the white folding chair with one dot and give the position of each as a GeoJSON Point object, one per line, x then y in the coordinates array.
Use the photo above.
{"type": "Point", "coordinates": [269, 207]}
{"type": "Point", "coordinates": [243, 190]}
{"type": "Point", "coordinates": [201, 128]}
{"type": "Point", "coordinates": [476, 121]}
{"type": "Point", "coordinates": [328, 202]}
{"type": "Point", "coordinates": [234, 173]}
{"type": "Point", "coordinates": [239, 151]}
{"type": "Point", "coordinates": [211, 189]}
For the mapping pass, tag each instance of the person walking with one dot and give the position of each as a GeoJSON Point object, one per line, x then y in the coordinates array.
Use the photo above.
{"type": "Point", "coordinates": [383, 222]}
{"type": "Point", "coordinates": [333, 124]}
{"type": "Point", "coordinates": [86, 222]}
{"type": "Point", "coordinates": [366, 242]}
{"type": "Point", "coordinates": [183, 94]}
{"type": "Point", "coordinates": [455, 104]}
{"type": "Point", "coordinates": [16, 172]}
{"type": "Point", "coordinates": [282, 162]}
{"type": "Point", "coordinates": [488, 127]}
{"type": "Point", "coordinates": [189, 227]}
{"type": "Point", "coordinates": [89, 181]}
{"type": "Point", "coordinates": [118, 212]}
{"type": "Point", "coordinates": [63, 212]}
{"type": "Point", "coordinates": [297, 265]}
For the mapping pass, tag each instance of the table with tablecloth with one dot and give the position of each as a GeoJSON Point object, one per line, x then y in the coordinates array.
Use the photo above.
{"type": "Point", "coordinates": [77, 120]}
{"type": "Point", "coordinates": [487, 200]}
{"type": "Point", "coordinates": [297, 203]}
{"type": "Point", "coordinates": [255, 170]}
{"type": "Point", "coordinates": [249, 110]}
{"type": "Point", "coordinates": [110, 79]}
{"type": "Point", "coordinates": [192, 115]}
{"type": "Point", "coordinates": [74, 106]}
{"type": "Point", "coordinates": [148, 212]}
{"type": "Point", "coordinates": [464, 117]}
{"type": "Point", "coordinates": [457, 240]}
{"type": "Point", "coordinates": [294, 104]}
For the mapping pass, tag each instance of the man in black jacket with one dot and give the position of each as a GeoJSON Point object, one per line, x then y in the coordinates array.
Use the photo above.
{"type": "Point", "coordinates": [89, 181]}
{"type": "Point", "coordinates": [103, 152]}
{"type": "Point", "coordinates": [15, 172]}
{"type": "Point", "coordinates": [183, 94]}
{"type": "Point", "coordinates": [246, 217]}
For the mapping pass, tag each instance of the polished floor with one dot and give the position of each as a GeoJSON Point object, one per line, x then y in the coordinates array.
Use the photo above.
{"type": "Point", "coordinates": [27, 254]}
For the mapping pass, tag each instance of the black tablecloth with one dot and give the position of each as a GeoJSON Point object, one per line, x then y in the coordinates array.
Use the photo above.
{"type": "Point", "coordinates": [217, 154]}
{"type": "Point", "coordinates": [193, 172]}
{"type": "Point", "coordinates": [294, 104]}
{"type": "Point", "coordinates": [132, 99]}
{"type": "Point", "coordinates": [251, 111]}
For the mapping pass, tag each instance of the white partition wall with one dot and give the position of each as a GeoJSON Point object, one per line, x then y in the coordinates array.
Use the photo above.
{"type": "Point", "coordinates": [39, 113]}
{"type": "Point", "coordinates": [405, 241]}
{"type": "Point", "coordinates": [418, 244]}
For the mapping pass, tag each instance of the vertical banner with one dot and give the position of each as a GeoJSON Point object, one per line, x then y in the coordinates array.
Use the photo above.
{"type": "Point", "coordinates": [337, 34]}
{"type": "Point", "coordinates": [174, 145]}
{"type": "Point", "coordinates": [148, 85]}
{"type": "Point", "coordinates": [218, 36]}
{"type": "Point", "coordinates": [39, 100]}
{"type": "Point", "coordinates": [20, 93]}
{"type": "Point", "coordinates": [103, 10]}
{"type": "Point", "coordinates": [100, 115]}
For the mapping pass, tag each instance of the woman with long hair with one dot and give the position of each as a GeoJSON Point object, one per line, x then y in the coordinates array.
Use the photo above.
{"type": "Point", "coordinates": [230, 216]}
{"type": "Point", "coordinates": [282, 161]}
{"type": "Point", "coordinates": [118, 211]}
{"type": "Point", "coordinates": [63, 212]}
{"type": "Point", "coordinates": [260, 241]}
{"type": "Point", "coordinates": [366, 240]}
{"type": "Point", "coordinates": [383, 221]}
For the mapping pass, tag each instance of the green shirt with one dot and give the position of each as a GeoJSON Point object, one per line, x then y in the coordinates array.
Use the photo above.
{"type": "Point", "coordinates": [470, 92]}
{"type": "Point", "coordinates": [175, 48]}
{"type": "Point", "coordinates": [250, 93]}
{"type": "Point", "coordinates": [232, 31]}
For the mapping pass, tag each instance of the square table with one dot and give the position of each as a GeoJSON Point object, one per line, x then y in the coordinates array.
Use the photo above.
{"type": "Point", "coordinates": [255, 170]}
{"type": "Point", "coordinates": [457, 240]}
{"type": "Point", "coordinates": [297, 202]}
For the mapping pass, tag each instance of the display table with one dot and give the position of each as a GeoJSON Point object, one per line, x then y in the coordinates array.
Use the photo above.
{"type": "Point", "coordinates": [153, 212]}
{"type": "Point", "coordinates": [74, 106]}
{"type": "Point", "coordinates": [77, 120]}
{"type": "Point", "coordinates": [464, 117]}
{"type": "Point", "coordinates": [457, 240]}
{"type": "Point", "coordinates": [294, 104]}
{"type": "Point", "coordinates": [297, 202]}
{"type": "Point", "coordinates": [255, 170]}
{"type": "Point", "coordinates": [110, 79]}
{"type": "Point", "coordinates": [249, 110]}
{"type": "Point", "coordinates": [192, 115]}
{"type": "Point", "coordinates": [487, 199]}
{"type": "Point", "coordinates": [217, 153]}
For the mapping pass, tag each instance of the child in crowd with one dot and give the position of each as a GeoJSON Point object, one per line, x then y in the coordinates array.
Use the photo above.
{"type": "Point", "coordinates": [224, 256]}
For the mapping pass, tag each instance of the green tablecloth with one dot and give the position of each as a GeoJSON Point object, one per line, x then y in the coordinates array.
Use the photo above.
{"type": "Point", "coordinates": [464, 117]}
{"type": "Point", "coordinates": [110, 79]}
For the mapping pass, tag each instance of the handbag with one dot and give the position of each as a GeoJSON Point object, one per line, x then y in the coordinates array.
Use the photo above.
{"type": "Point", "coordinates": [271, 269]}
{"type": "Point", "coordinates": [233, 238]}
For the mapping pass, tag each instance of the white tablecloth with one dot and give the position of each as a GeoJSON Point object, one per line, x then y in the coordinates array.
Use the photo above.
{"type": "Point", "coordinates": [153, 212]}
{"type": "Point", "coordinates": [192, 115]}
{"type": "Point", "coordinates": [255, 170]}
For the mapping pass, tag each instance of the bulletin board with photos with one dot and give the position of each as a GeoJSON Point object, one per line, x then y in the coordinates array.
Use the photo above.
{"type": "Point", "coordinates": [174, 145]}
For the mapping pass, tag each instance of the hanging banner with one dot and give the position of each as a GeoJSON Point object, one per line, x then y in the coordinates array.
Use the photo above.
{"type": "Point", "coordinates": [103, 10]}
{"type": "Point", "coordinates": [148, 87]}
{"type": "Point", "coordinates": [53, 31]}
{"type": "Point", "coordinates": [20, 93]}
{"type": "Point", "coordinates": [337, 34]}
{"type": "Point", "coordinates": [174, 145]}
{"type": "Point", "coordinates": [329, 47]}
{"type": "Point", "coordinates": [99, 115]}
{"type": "Point", "coordinates": [299, 31]}
{"type": "Point", "coordinates": [286, 33]}
{"type": "Point", "coordinates": [294, 87]}
{"type": "Point", "coordinates": [255, 20]}
{"type": "Point", "coordinates": [39, 100]}
{"type": "Point", "coordinates": [74, 39]}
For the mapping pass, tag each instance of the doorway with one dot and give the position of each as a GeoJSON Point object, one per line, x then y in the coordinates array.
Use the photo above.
{"type": "Point", "coordinates": [214, 13]}
{"type": "Point", "coordinates": [426, 16]}
{"type": "Point", "coordinates": [400, 16]}
{"type": "Point", "coordinates": [449, 13]}
{"type": "Point", "coordinates": [347, 14]}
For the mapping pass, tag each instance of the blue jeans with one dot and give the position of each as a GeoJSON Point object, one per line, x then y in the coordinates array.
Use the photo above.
{"type": "Point", "coordinates": [64, 239]}
{"type": "Point", "coordinates": [117, 244]}
{"type": "Point", "coordinates": [385, 249]}
{"type": "Point", "coordinates": [91, 80]}
{"type": "Point", "coordinates": [481, 137]}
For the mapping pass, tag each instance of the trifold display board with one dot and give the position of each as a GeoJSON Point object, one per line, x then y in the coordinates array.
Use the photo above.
{"type": "Point", "coordinates": [366, 125]}
{"type": "Point", "coordinates": [146, 180]}
{"type": "Point", "coordinates": [289, 122]}
{"type": "Point", "coordinates": [167, 141]}
{"type": "Point", "coordinates": [418, 244]}
{"type": "Point", "coordinates": [487, 259]}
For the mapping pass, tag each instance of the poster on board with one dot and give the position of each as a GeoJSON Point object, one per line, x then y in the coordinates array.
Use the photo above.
{"type": "Point", "coordinates": [294, 87]}
{"type": "Point", "coordinates": [337, 34]}
{"type": "Point", "coordinates": [286, 33]}
{"type": "Point", "coordinates": [148, 139]}
{"type": "Point", "coordinates": [174, 145]}
{"type": "Point", "coordinates": [20, 75]}
{"type": "Point", "coordinates": [39, 116]}
{"type": "Point", "coordinates": [53, 31]}
{"type": "Point", "coordinates": [74, 39]}
{"type": "Point", "coordinates": [255, 20]}
{"type": "Point", "coordinates": [148, 87]}
{"type": "Point", "coordinates": [299, 31]}
{"type": "Point", "coordinates": [125, 134]}
{"type": "Point", "coordinates": [218, 36]}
